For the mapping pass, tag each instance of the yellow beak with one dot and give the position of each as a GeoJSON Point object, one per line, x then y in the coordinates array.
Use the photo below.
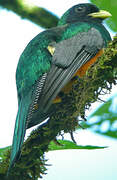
{"type": "Point", "coordinates": [101, 14]}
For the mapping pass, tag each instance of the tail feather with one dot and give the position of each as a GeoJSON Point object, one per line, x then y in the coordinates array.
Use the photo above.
{"type": "Point", "coordinates": [19, 132]}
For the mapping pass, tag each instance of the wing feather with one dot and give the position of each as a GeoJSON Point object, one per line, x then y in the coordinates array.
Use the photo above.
{"type": "Point", "coordinates": [77, 50]}
{"type": "Point", "coordinates": [59, 80]}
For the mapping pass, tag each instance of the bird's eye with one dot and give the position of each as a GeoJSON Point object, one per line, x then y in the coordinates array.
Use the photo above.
{"type": "Point", "coordinates": [80, 9]}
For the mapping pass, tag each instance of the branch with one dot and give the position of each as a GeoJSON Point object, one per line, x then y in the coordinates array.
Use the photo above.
{"type": "Point", "coordinates": [39, 16]}
{"type": "Point", "coordinates": [100, 77]}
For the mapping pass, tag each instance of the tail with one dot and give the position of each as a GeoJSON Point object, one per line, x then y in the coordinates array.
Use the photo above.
{"type": "Point", "coordinates": [19, 132]}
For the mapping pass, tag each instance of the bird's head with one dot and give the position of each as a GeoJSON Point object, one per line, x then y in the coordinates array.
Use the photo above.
{"type": "Point", "coordinates": [83, 12]}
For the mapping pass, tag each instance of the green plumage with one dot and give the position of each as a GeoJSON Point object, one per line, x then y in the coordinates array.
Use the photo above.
{"type": "Point", "coordinates": [41, 76]}
{"type": "Point", "coordinates": [36, 60]}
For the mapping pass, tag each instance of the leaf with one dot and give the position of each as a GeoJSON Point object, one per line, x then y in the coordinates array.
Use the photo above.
{"type": "Point", "coordinates": [111, 6]}
{"type": "Point", "coordinates": [105, 118]}
{"type": "Point", "coordinates": [3, 152]}
{"type": "Point", "coordinates": [65, 144]}
{"type": "Point", "coordinates": [103, 109]}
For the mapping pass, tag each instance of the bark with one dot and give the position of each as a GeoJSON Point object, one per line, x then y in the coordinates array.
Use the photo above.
{"type": "Point", "coordinates": [35, 14]}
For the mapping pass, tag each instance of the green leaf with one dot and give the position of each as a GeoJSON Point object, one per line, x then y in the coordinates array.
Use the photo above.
{"type": "Point", "coordinates": [3, 152]}
{"type": "Point", "coordinates": [65, 144]}
{"type": "Point", "coordinates": [103, 109]}
{"type": "Point", "coordinates": [111, 6]}
{"type": "Point", "coordinates": [106, 119]}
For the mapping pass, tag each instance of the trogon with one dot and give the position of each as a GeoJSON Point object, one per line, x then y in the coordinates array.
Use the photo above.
{"type": "Point", "coordinates": [49, 63]}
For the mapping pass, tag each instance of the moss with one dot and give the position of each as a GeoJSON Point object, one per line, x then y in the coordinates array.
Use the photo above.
{"type": "Point", "coordinates": [99, 79]}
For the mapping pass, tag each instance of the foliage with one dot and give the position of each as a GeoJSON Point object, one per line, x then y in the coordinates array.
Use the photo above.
{"type": "Point", "coordinates": [111, 6]}
{"type": "Point", "coordinates": [64, 144]}
{"type": "Point", "coordinates": [32, 157]}
{"type": "Point", "coordinates": [54, 145]}
{"type": "Point", "coordinates": [106, 116]}
{"type": "Point", "coordinates": [3, 152]}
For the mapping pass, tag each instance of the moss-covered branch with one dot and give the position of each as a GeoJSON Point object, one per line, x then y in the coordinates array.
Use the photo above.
{"type": "Point", "coordinates": [98, 79]}
{"type": "Point", "coordinates": [37, 15]}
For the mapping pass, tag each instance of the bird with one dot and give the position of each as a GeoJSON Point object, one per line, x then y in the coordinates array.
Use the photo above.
{"type": "Point", "coordinates": [51, 61]}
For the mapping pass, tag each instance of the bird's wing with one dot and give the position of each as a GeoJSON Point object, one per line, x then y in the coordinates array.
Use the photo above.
{"type": "Point", "coordinates": [68, 57]}
{"type": "Point", "coordinates": [35, 60]}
